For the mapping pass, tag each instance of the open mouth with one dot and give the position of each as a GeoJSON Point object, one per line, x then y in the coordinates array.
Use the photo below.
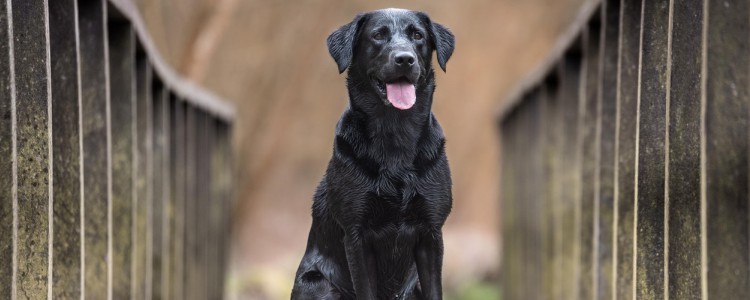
{"type": "Point", "coordinates": [401, 93]}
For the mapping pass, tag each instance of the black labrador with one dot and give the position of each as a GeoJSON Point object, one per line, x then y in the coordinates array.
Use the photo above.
{"type": "Point", "coordinates": [379, 210]}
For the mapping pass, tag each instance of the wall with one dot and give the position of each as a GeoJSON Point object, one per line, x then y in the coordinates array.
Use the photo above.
{"type": "Point", "coordinates": [115, 174]}
{"type": "Point", "coordinates": [625, 158]}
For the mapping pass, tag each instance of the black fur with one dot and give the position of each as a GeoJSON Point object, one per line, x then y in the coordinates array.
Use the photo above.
{"type": "Point", "coordinates": [379, 210]}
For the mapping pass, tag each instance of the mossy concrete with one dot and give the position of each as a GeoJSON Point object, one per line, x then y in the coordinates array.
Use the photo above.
{"type": "Point", "coordinates": [626, 144]}
{"type": "Point", "coordinates": [684, 236]}
{"type": "Point", "coordinates": [177, 167]}
{"type": "Point", "coordinates": [570, 81]}
{"type": "Point", "coordinates": [144, 130]}
{"type": "Point", "coordinates": [552, 240]}
{"type": "Point", "coordinates": [66, 169]}
{"type": "Point", "coordinates": [589, 105]}
{"type": "Point", "coordinates": [192, 210]}
{"type": "Point", "coordinates": [606, 124]}
{"type": "Point", "coordinates": [122, 97]}
{"type": "Point", "coordinates": [6, 161]}
{"type": "Point", "coordinates": [159, 235]}
{"type": "Point", "coordinates": [726, 142]}
{"type": "Point", "coordinates": [95, 130]}
{"type": "Point", "coordinates": [32, 149]}
{"type": "Point", "coordinates": [651, 143]}
{"type": "Point", "coordinates": [509, 175]}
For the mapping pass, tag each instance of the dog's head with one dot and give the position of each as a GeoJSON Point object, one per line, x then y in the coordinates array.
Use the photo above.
{"type": "Point", "coordinates": [392, 49]}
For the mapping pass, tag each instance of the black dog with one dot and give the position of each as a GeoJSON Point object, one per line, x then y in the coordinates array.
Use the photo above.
{"type": "Point", "coordinates": [379, 210]}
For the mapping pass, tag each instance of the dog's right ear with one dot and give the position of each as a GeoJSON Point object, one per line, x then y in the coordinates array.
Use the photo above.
{"type": "Point", "coordinates": [341, 43]}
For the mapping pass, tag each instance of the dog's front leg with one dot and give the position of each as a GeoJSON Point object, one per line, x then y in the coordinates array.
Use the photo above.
{"type": "Point", "coordinates": [357, 259]}
{"type": "Point", "coordinates": [429, 258]}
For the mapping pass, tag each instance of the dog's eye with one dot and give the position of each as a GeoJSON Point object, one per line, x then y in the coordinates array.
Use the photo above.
{"type": "Point", "coordinates": [417, 35]}
{"type": "Point", "coordinates": [378, 36]}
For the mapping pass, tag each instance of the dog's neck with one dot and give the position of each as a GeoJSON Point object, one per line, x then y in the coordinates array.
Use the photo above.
{"type": "Point", "coordinates": [390, 130]}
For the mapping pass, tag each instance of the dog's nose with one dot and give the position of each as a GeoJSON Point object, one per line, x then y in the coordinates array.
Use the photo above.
{"type": "Point", "coordinates": [404, 59]}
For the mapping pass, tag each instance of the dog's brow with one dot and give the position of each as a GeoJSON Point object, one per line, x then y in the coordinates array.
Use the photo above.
{"type": "Point", "coordinates": [391, 13]}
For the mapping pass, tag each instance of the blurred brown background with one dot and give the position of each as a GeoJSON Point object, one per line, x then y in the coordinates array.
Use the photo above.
{"type": "Point", "coordinates": [269, 59]}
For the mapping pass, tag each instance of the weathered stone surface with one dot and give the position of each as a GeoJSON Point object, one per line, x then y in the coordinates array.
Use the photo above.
{"type": "Point", "coordinates": [570, 99]}
{"type": "Point", "coordinates": [225, 184]}
{"type": "Point", "coordinates": [726, 150]}
{"type": "Point", "coordinates": [550, 217]}
{"type": "Point", "coordinates": [650, 166]}
{"type": "Point", "coordinates": [177, 167]}
{"type": "Point", "coordinates": [142, 207]}
{"type": "Point", "coordinates": [535, 188]}
{"type": "Point", "coordinates": [588, 119]}
{"type": "Point", "coordinates": [32, 148]}
{"type": "Point", "coordinates": [524, 173]}
{"type": "Point", "coordinates": [625, 144]}
{"type": "Point", "coordinates": [122, 97]}
{"type": "Point", "coordinates": [215, 202]}
{"type": "Point", "coordinates": [95, 131]}
{"type": "Point", "coordinates": [157, 205]}
{"type": "Point", "coordinates": [684, 108]}
{"type": "Point", "coordinates": [66, 152]}
{"type": "Point", "coordinates": [6, 160]}
{"type": "Point", "coordinates": [606, 127]}
{"type": "Point", "coordinates": [192, 211]}
{"type": "Point", "coordinates": [667, 150]}
{"type": "Point", "coordinates": [511, 231]}
{"type": "Point", "coordinates": [79, 174]}
{"type": "Point", "coordinates": [203, 204]}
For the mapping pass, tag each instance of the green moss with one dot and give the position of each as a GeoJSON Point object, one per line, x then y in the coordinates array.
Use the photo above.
{"type": "Point", "coordinates": [475, 290]}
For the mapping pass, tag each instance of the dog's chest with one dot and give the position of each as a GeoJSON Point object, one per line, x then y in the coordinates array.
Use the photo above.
{"type": "Point", "coordinates": [394, 204]}
{"type": "Point", "coordinates": [393, 224]}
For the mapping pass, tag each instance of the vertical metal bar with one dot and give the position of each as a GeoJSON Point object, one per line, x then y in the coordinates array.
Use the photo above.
{"type": "Point", "coordinates": [94, 97]}
{"type": "Point", "coordinates": [627, 87]}
{"type": "Point", "coordinates": [122, 95]}
{"type": "Point", "coordinates": [30, 67]}
{"type": "Point", "coordinates": [589, 139]}
{"type": "Point", "coordinates": [144, 131]}
{"type": "Point", "coordinates": [178, 160]}
{"type": "Point", "coordinates": [684, 152]}
{"type": "Point", "coordinates": [66, 169]}
{"type": "Point", "coordinates": [606, 132]}
{"type": "Point", "coordinates": [157, 205]}
{"type": "Point", "coordinates": [7, 157]}
{"type": "Point", "coordinates": [726, 149]}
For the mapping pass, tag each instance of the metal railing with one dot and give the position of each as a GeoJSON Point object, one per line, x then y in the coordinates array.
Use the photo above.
{"type": "Point", "coordinates": [625, 157]}
{"type": "Point", "coordinates": [115, 174]}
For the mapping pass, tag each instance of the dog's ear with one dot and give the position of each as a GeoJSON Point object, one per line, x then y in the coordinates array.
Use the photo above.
{"type": "Point", "coordinates": [341, 42]}
{"type": "Point", "coordinates": [442, 39]}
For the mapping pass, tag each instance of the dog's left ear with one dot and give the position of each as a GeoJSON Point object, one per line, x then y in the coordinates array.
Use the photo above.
{"type": "Point", "coordinates": [341, 43]}
{"type": "Point", "coordinates": [442, 39]}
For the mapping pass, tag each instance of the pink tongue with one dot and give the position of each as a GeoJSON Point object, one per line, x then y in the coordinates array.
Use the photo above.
{"type": "Point", "coordinates": [401, 95]}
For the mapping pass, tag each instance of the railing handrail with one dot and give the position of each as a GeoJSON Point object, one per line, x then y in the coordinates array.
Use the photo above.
{"type": "Point", "coordinates": [182, 87]}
